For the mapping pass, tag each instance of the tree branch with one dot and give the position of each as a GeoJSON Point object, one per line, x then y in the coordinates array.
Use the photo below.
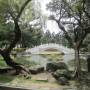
{"type": "Point", "coordinates": [86, 32]}
{"type": "Point", "coordinates": [22, 8]}
{"type": "Point", "coordinates": [65, 32]}
{"type": "Point", "coordinates": [0, 51]}
{"type": "Point", "coordinates": [87, 14]}
{"type": "Point", "coordinates": [68, 22]}
{"type": "Point", "coordinates": [16, 28]}
{"type": "Point", "coordinates": [17, 37]}
{"type": "Point", "coordinates": [82, 39]}
{"type": "Point", "coordinates": [72, 13]}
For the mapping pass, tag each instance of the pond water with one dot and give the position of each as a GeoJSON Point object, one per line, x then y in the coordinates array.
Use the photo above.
{"type": "Point", "coordinates": [43, 61]}
{"type": "Point", "coordinates": [39, 59]}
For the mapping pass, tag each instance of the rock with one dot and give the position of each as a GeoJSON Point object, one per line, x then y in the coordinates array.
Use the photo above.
{"type": "Point", "coordinates": [63, 81]}
{"type": "Point", "coordinates": [53, 66]}
{"type": "Point", "coordinates": [62, 73]}
{"type": "Point", "coordinates": [42, 79]}
{"type": "Point", "coordinates": [37, 69]}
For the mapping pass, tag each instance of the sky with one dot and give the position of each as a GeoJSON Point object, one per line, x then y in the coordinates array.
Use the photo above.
{"type": "Point", "coordinates": [51, 25]}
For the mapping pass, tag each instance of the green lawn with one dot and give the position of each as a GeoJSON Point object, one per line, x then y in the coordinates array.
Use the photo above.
{"type": "Point", "coordinates": [71, 64]}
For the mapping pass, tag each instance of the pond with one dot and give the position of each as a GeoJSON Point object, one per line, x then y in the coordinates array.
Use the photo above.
{"type": "Point", "coordinates": [43, 59]}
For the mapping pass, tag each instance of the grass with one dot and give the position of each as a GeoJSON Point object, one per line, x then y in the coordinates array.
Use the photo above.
{"type": "Point", "coordinates": [71, 64]}
{"type": "Point", "coordinates": [18, 81]}
{"type": "Point", "coordinates": [14, 79]}
{"type": "Point", "coordinates": [5, 78]}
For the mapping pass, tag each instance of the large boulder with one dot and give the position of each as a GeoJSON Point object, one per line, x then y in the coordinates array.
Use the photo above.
{"type": "Point", "coordinates": [63, 81]}
{"type": "Point", "coordinates": [62, 73]}
{"type": "Point", "coordinates": [53, 66]}
{"type": "Point", "coordinates": [62, 76]}
{"type": "Point", "coordinates": [37, 69]}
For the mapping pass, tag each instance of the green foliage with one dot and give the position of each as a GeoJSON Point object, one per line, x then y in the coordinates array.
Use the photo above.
{"type": "Point", "coordinates": [71, 64]}
{"type": "Point", "coordinates": [6, 22]}
{"type": "Point", "coordinates": [19, 49]}
{"type": "Point", "coordinates": [86, 44]}
{"type": "Point", "coordinates": [31, 37]}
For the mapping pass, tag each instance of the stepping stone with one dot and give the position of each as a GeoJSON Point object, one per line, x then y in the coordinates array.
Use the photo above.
{"type": "Point", "coordinates": [42, 79]}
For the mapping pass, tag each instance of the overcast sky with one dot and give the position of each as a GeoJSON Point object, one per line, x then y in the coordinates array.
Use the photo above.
{"type": "Point", "coordinates": [51, 25]}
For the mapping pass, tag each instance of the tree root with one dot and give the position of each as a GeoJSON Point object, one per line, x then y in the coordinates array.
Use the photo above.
{"type": "Point", "coordinates": [21, 70]}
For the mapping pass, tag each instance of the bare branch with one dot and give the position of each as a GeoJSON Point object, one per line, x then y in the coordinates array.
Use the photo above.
{"type": "Point", "coordinates": [62, 28]}
{"type": "Point", "coordinates": [65, 32]}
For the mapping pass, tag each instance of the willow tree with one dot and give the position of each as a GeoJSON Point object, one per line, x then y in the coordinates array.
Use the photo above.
{"type": "Point", "coordinates": [12, 10]}
{"type": "Point", "coordinates": [71, 13]}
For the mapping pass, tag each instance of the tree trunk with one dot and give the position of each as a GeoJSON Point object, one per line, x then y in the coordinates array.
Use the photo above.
{"type": "Point", "coordinates": [6, 52]}
{"type": "Point", "coordinates": [77, 64]}
{"type": "Point", "coordinates": [20, 69]}
{"type": "Point", "coordinates": [88, 63]}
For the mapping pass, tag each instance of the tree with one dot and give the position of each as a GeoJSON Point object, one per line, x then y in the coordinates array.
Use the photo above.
{"type": "Point", "coordinates": [31, 37]}
{"type": "Point", "coordinates": [13, 12]}
{"type": "Point", "coordinates": [5, 35]}
{"type": "Point", "coordinates": [71, 13]}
